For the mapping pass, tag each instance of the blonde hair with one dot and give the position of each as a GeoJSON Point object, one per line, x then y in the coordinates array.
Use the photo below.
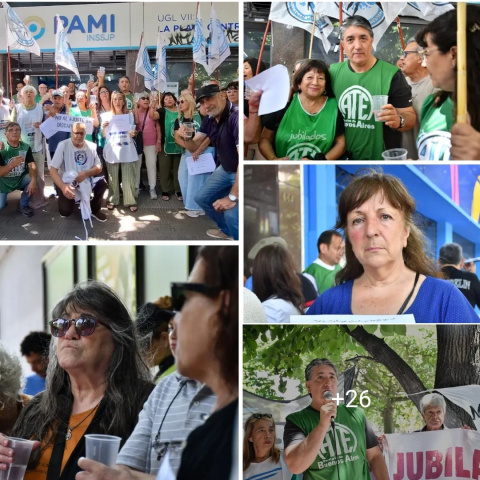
{"type": "Point", "coordinates": [118, 94]}
{"type": "Point", "coordinates": [248, 450]}
{"type": "Point", "coordinates": [191, 106]}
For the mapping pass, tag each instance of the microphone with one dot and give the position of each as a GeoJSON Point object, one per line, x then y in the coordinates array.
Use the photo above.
{"type": "Point", "coordinates": [328, 395]}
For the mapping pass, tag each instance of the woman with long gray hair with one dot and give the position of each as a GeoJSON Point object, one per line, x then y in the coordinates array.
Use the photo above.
{"type": "Point", "coordinates": [96, 383]}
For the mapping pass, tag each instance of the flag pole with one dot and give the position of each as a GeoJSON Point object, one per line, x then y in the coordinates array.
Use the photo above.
{"type": "Point", "coordinates": [56, 76]}
{"type": "Point", "coordinates": [10, 73]}
{"type": "Point", "coordinates": [400, 32]}
{"type": "Point", "coordinates": [313, 34]}
{"type": "Point", "coordinates": [135, 78]}
{"type": "Point", "coordinates": [262, 47]}
{"type": "Point", "coordinates": [461, 62]}
{"type": "Point", "coordinates": [340, 19]}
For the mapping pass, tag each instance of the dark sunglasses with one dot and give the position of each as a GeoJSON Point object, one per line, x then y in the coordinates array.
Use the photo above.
{"type": "Point", "coordinates": [182, 101]}
{"type": "Point", "coordinates": [144, 98]}
{"type": "Point", "coordinates": [179, 293]}
{"type": "Point", "coordinates": [84, 326]}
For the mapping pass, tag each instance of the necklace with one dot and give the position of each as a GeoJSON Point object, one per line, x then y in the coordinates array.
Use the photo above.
{"type": "Point", "coordinates": [68, 436]}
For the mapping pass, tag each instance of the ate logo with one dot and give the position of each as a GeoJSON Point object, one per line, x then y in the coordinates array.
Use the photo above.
{"type": "Point", "coordinates": [301, 150]}
{"type": "Point", "coordinates": [346, 443]}
{"type": "Point", "coordinates": [356, 104]}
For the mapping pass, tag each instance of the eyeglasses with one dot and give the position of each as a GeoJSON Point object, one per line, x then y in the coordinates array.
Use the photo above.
{"type": "Point", "coordinates": [84, 326]}
{"type": "Point", "coordinates": [104, 91]}
{"type": "Point", "coordinates": [406, 52]}
{"type": "Point", "coordinates": [179, 293]}
{"type": "Point", "coordinates": [79, 133]}
{"type": "Point", "coordinates": [144, 98]}
{"type": "Point", "coordinates": [426, 52]}
{"type": "Point", "coordinates": [182, 101]}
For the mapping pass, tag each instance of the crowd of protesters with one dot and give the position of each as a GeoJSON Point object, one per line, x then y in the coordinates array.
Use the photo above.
{"type": "Point", "coordinates": [155, 136]}
{"type": "Point", "coordinates": [330, 113]}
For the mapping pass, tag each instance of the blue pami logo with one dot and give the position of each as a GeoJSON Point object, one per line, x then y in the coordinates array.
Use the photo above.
{"type": "Point", "coordinates": [97, 29]}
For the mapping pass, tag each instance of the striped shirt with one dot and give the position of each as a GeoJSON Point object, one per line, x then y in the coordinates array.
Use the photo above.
{"type": "Point", "coordinates": [188, 403]}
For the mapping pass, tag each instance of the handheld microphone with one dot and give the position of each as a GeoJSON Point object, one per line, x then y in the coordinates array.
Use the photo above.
{"type": "Point", "coordinates": [328, 395]}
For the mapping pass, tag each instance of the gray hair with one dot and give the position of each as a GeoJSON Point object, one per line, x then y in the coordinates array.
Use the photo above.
{"type": "Point", "coordinates": [28, 88]}
{"type": "Point", "coordinates": [315, 363]}
{"type": "Point", "coordinates": [355, 21]}
{"type": "Point", "coordinates": [432, 400]}
{"type": "Point", "coordinates": [450, 253]}
{"type": "Point", "coordinates": [411, 40]}
{"type": "Point", "coordinates": [10, 377]}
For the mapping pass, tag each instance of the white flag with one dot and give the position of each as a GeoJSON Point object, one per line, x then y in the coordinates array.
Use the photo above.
{"type": "Point", "coordinates": [218, 49]}
{"type": "Point", "coordinates": [18, 35]}
{"type": "Point", "coordinates": [63, 52]}
{"type": "Point", "coordinates": [144, 67]}
{"type": "Point", "coordinates": [300, 14]}
{"type": "Point", "coordinates": [199, 43]}
{"type": "Point", "coordinates": [426, 10]}
{"type": "Point", "coordinates": [161, 65]}
{"type": "Point", "coordinates": [466, 397]}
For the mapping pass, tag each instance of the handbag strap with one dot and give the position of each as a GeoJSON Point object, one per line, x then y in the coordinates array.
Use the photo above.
{"type": "Point", "coordinates": [405, 303]}
{"type": "Point", "coordinates": [144, 120]}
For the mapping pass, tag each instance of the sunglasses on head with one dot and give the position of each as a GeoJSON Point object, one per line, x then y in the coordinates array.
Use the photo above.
{"type": "Point", "coordinates": [179, 291]}
{"type": "Point", "coordinates": [84, 326]}
{"type": "Point", "coordinates": [258, 416]}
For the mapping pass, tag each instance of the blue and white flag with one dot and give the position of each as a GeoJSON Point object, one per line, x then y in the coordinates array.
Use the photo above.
{"type": "Point", "coordinates": [18, 35]}
{"type": "Point", "coordinates": [301, 15]}
{"type": "Point", "coordinates": [161, 65]}
{"type": "Point", "coordinates": [144, 67]}
{"type": "Point", "coordinates": [218, 49]}
{"type": "Point", "coordinates": [426, 10]}
{"type": "Point", "coordinates": [199, 43]}
{"type": "Point", "coordinates": [63, 52]}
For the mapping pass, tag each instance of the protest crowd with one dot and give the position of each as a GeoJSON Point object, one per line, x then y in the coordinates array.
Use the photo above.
{"type": "Point", "coordinates": [365, 108]}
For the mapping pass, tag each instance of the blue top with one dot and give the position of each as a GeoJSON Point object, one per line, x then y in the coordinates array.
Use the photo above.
{"type": "Point", "coordinates": [437, 301]}
{"type": "Point", "coordinates": [34, 384]}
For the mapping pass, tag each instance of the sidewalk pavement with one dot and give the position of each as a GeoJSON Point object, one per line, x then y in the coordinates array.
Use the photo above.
{"type": "Point", "coordinates": [154, 220]}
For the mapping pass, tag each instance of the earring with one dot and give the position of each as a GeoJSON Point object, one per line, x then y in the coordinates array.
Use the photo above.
{"type": "Point", "coordinates": [324, 93]}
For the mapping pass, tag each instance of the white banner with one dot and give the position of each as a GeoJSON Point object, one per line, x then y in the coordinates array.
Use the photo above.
{"type": "Point", "coordinates": [440, 455]}
{"type": "Point", "coordinates": [466, 397]}
{"type": "Point", "coordinates": [64, 123]}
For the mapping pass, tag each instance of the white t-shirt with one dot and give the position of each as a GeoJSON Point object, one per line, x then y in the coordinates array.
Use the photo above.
{"type": "Point", "coordinates": [278, 310]}
{"type": "Point", "coordinates": [268, 470]}
{"type": "Point", "coordinates": [68, 157]}
{"type": "Point", "coordinates": [30, 134]}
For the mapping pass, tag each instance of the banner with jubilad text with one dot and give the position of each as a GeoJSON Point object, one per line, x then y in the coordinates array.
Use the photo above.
{"type": "Point", "coordinates": [442, 454]}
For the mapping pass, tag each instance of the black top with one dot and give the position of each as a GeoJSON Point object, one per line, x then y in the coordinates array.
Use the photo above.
{"type": "Point", "coordinates": [467, 282]}
{"type": "Point", "coordinates": [209, 451]}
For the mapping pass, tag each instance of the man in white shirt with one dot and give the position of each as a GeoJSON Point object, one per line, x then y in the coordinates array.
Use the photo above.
{"type": "Point", "coordinates": [78, 155]}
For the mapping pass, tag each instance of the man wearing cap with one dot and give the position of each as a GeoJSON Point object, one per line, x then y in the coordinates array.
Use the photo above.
{"type": "Point", "coordinates": [310, 444]}
{"type": "Point", "coordinates": [219, 195]}
{"type": "Point", "coordinates": [79, 155]}
{"type": "Point", "coordinates": [57, 108]}
{"type": "Point", "coordinates": [356, 81]}
{"type": "Point", "coordinates": [17, 169]}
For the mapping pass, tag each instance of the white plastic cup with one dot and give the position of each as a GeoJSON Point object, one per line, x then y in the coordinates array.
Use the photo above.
{"type": "Point", "coordinates": [103, 448]}
{"type": "Point", "coordinates": [395, 154]}
{"type": "Point", "coordinates": [378, 101]}
{"type": "Point", "coordinates": [22, 153]}
{"type": "Point", "coordinates": [189, 128]}
{"type": "Point", "coordinates": [22, 449]}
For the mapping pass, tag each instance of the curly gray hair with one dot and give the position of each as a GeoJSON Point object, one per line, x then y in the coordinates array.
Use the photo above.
{"type": "Point", "coordinates": [10, 377]}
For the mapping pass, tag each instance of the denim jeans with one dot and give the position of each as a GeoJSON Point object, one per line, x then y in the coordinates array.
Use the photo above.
{"type": "Point", "coordinates": [191, 184]}
{"type": "Point", "coordinates": [217, 186]}
{"type": "Point", "coordinates": [24, 199]}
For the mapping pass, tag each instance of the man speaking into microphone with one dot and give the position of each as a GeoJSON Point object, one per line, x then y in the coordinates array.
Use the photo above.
{"type": "Point", "coordinates": [329, 442]}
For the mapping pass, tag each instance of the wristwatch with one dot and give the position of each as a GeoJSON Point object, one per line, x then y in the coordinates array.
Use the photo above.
{"type": "Point", "coordinates": [402, 122]}
{"type": "Point", "coordinates": [232, 197]}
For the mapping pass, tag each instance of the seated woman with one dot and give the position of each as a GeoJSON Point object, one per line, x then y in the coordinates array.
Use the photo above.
{"type": "Point", "coordinates": [11, 399]}
{"type": "Point", "coordinates": [276, 283]}
{"type": "Point", "coordinates": [96, 383]}
{"type": "Point", "coordinates": [439, 42]}
{"type": "Point", "coordinates": [261, 457]}
{"type": "Point", "coordinates": [387, 269]}
{"type": "Point", "coordinates": [310, 127]}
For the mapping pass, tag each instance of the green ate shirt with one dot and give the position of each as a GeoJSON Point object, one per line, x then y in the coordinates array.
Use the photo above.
{"type": "Point", "coordinates": [351, 454]}
{"type": "Point", "coordinates": [434, 138]}
{"type": "Point", "coordinates": [324, 278]}
{"type": "Point", "coordinates": [354, 91]}
{"type": "Point", "coordinates": [13, 179]}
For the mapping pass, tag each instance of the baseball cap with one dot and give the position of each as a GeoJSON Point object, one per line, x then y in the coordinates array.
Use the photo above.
{"type": "Point", "coordinates": [207, 91]}
{"type": "Point", "coordinates": [57, 93]}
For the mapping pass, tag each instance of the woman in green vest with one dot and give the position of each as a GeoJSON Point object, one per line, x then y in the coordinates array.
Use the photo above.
{"type": "Point", "coordinates": [310, 127]}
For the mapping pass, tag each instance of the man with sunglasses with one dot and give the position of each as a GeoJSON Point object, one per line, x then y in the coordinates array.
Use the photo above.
{"type": "Point", "coordinates": [78, 155]}
{"type": "Point", "coordinates": [327, 441]}
{"type": "Point", "coordinates": [421, 83]}
{"type": "Point", "coordinates": [219, 195]}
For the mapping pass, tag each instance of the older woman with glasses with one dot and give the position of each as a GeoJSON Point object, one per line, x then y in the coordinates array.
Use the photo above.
{"type": "Point", "coordinates": [438, 133]}
{"type": "Point", "coordinates": [96, 383]}
{"type": "Point", "coordinates": [261, 457]}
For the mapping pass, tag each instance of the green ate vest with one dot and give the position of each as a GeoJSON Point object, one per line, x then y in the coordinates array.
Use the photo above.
{"type": "Point", "coordinates": [13, 179]}
{"type": "Point", "coordinates": [434, 138]}
{"type": "Point", "coordinates": [354, 91]}
{"type": "Point", "coordinates": [171, 147]}
{"type": "Point", "coordinates": [324, 278]}
{"type": "Point", "coordinates": [300, 133]}
{"type": "Point", "coordinates": [129, 101]}
{"type": "Point", "coordinates": [351, 444]}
